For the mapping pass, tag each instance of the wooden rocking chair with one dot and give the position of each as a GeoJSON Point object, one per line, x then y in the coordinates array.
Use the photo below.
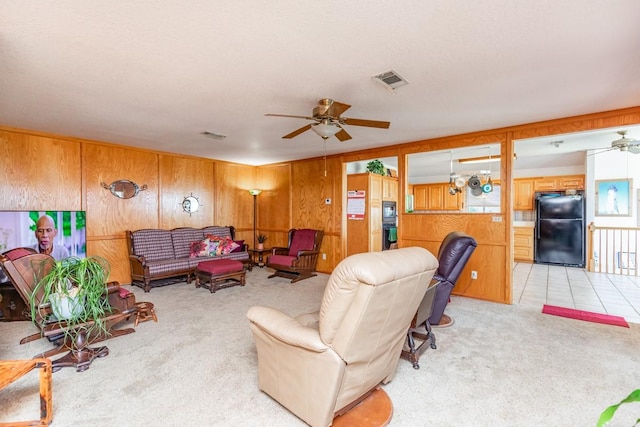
{"type": "Point", "coordinates": [24, 272]}
{"type": "Point", "coordinates": [298, 261]}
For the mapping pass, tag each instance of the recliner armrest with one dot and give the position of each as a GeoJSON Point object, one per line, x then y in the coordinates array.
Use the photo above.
{"type": "Point", "coordinates": [286, 329]}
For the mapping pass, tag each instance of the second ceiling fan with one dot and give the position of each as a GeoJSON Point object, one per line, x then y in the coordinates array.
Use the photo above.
{"type": "Point", "coordinates": [329, 122]}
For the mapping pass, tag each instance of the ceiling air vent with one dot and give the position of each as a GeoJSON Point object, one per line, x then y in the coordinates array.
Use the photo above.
{"type": "Point", "coordinates": [390, 80]}
{"type": "Point", "coordinates": [213, 135]}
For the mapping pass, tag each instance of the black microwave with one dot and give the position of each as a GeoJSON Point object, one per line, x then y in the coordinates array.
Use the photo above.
{"type": "Point", "coordinates": [388, 211]}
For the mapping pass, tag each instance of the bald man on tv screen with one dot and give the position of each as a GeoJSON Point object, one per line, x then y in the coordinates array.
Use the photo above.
{"type": "Point", "coordinates": [46, 233]}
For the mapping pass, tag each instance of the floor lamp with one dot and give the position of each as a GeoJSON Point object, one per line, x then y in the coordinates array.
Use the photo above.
{"type": "Point", "coordinates": [254, 193]}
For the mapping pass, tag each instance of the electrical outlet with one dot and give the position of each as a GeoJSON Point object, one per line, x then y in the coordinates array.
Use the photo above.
{"type": "Point", "coordinates": [324, 256]}
{"type": "Point", "coordinates": [474, 275]}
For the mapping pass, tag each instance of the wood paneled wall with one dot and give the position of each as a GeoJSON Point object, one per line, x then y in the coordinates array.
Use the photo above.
{"type": "Point", "coordinates": [43, 171]}
{"type": "Point", "coordinates": [37, 172]}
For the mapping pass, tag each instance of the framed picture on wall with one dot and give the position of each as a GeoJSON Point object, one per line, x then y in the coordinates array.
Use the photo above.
{"type": "Point", "coordinates": [613, 197]}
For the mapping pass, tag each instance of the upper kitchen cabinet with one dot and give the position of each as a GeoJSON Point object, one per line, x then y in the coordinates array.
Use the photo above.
{"type": "Point", "coordinates": [389, 189]}
{"type": "Point", "coordinates": [559, 183]}
{"type": "Point", "coordinates": [523, 194]}
{"type": "Point", "coordinates": [435, 197]}
{"type": "Point", "coordinates": [464, 179]}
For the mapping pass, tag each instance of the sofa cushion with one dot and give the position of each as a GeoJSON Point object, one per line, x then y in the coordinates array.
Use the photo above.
{"type": "Point", "coordinates": [183, 238]}
{"type": "Point", "coordinates": [159, 268]}
{"type": "Point", "coordinates": [217, 230]}
{"type": "Point", "coordinates": [154, 244]}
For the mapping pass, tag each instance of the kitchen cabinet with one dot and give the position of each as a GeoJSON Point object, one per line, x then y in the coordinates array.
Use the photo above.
{"type": "Point", "coordinates": [523, 244]}
{"type": "Point", "coordinates": [420, 197]}
{"type": "Point", "coordinates": [524, 189]}
{"type": "Point", "coordinates": [389, 189]}
{"type": "Point", "coordinates": [365, 235]}
{"type": "Point", "coordinates": [523, 194]}
{"type": "Point", "coordinates": [545, 184]}
{"type": "Point", "coordinates": [573, 182]}
{"type": "Point", "coordinates": [435, 197]}
{"type": "Point", "coordinates": [559, 183]}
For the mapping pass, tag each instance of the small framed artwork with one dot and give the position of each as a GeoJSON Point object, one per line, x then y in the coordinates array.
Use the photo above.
{"type": "Point", "coordinates": [613, 197]}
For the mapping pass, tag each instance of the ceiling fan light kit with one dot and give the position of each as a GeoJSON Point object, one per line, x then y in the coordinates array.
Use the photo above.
{"type": "Point", "coordinates": [329, 122]}
{"type": "Point", "coordinates": [325, 130]}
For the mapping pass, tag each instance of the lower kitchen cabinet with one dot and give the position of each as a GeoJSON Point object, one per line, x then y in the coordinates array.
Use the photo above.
{"type": "Point", "coordinates": [523, 244]}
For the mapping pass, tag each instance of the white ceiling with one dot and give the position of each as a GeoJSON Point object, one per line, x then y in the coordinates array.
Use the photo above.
{"type": "Point", "coordinates": [156, 74]}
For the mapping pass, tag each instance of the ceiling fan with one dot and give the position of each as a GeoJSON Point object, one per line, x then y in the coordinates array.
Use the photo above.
{"type": "Point", "coordinates": [329, 122]}
{"type": "Point", "coordinates": [623, 144]}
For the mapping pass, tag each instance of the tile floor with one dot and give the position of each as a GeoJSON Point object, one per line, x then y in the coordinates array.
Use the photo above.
{"type": "Point", "coordinates": [538, 284]}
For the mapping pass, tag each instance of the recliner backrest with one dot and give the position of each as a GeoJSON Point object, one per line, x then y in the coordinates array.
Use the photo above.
{"type": "Point", "coordinates": [454, 252]}
{"type": "Point", "coordinates": [366, 309]}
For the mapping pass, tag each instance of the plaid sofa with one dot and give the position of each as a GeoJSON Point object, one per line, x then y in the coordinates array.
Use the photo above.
{"type": "Point", "coordinates": [161, 257]}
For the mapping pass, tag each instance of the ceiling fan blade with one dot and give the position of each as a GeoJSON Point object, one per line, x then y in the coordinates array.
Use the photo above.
{"type": "Point", "coordinates": [343, 135]}
{"type": "Point", "coordinates": [635, 149]}
{"type": "Point", "coordinates": [297, 132]}
{"type": "Point", "coordinates": [288, 115]}
{"type": "Point", "coordinates": [337, 108]}
{"type": "Point", "coordinates": [601, 150]}
{"type": "Point", "coordinates": [363, 122]}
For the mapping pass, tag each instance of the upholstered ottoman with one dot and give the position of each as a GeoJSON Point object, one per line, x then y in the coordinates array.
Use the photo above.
{"type": "Point", "coordinates": [219, 273]}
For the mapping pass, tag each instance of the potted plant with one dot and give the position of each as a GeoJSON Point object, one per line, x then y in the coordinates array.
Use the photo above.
{"type": "Point", "coordinates": [261, 238]}
{"type": "Point", "coordinates": [376, 166]}
{"type": "Point", "coordinates": [75, 290]}
{"type": "Point", "coordinates": [608, 413]}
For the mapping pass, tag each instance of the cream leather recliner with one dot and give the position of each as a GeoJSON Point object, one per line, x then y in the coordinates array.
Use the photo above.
{"type": "Point", "coordinates": [320, 363]}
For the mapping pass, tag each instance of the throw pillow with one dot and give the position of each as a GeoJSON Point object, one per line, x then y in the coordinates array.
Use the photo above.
{"type": "Point", "coordinates": [223, 245]}
{"type": "Point", "coordinates": [199, 248]}
{"type": "Point", "coordinates": [240, 244]}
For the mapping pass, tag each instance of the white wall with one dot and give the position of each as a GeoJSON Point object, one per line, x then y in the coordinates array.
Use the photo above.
{"type": "Point", "coordinates": [612, 165]}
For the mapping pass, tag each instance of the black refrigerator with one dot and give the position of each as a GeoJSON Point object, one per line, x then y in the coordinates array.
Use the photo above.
{"type": "Point", "coordinates": [560, 229]}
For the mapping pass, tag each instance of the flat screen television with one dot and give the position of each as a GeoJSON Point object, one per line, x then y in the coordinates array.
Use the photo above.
{"type": "Point", "coordinates": [18, 229]}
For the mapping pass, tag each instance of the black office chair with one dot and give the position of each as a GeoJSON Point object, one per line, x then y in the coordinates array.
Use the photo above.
{"type": "Point", "coordinates": [455, 250]}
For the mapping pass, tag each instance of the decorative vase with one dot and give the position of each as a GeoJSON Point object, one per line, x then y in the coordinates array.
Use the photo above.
{"type": "Point", "coordinates": [260, 246]}
{"type": "Point", "coordinates": [65, 307]}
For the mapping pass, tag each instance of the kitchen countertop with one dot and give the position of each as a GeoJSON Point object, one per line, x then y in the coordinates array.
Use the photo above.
{"type": "Point", "coordinates": [528, 224]}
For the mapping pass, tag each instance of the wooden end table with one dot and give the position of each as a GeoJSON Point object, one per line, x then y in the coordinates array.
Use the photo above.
{"type": "Point", "coordinates": [11, 370]}
{"type": "Point", "coordinates": [259, 252]}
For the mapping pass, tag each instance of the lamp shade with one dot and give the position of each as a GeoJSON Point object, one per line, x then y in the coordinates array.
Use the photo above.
{"type": "Point", "coordinates": [255, 192]}
{"type": "Point", "coordinates": [325, 130]}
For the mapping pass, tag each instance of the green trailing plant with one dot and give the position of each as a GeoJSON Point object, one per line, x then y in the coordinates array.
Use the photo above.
{"type": "Point", "coordinates": [377, 167]}
{"type": "Point", "coordinates": [261, 238]}
{"type": "Point", "coordinates": [608, 413]}
{"type": "Point", "coordinates": [79, 284]}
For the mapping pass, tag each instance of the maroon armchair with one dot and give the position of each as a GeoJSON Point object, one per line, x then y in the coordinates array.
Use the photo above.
{"type": "Point", "coordinates": [298, 260]}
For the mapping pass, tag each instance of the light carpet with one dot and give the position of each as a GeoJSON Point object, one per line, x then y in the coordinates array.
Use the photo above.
{"type": "Point", "coordinates": [498, 365]}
